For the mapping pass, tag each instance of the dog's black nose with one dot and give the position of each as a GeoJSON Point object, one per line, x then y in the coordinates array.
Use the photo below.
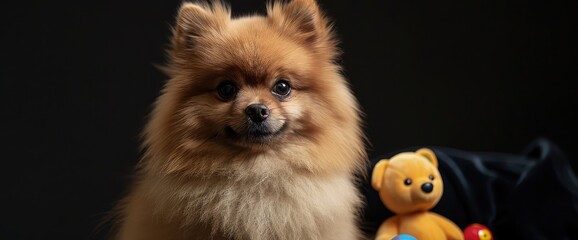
{"type": "Point", "coordinates": [257, 112]}
{"type": "Point", "coordinates": [427, 187]}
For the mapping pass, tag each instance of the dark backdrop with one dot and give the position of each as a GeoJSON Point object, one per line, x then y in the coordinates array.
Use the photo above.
{"type": "Point", "coordinates": [77, 80]}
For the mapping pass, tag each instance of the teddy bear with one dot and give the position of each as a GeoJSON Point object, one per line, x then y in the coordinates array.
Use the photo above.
{"type": "Point", "coordinates": [409, 184]}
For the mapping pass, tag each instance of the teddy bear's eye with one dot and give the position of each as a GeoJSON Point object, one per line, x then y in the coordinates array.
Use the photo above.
{"type": "Point", "coordinates": [407, 181]}
{"type": "Point", "coordinates": [431, 177]}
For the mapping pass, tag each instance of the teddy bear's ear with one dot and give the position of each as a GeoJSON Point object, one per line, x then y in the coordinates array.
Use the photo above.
{"type": "Point", "coordinates": [429, 154]}
{"type": "Point", "coordinates": [377, 175]}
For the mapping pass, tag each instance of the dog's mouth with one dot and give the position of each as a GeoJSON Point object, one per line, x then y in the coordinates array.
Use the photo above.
{"type": "Point", "coordinates": [256, 133]}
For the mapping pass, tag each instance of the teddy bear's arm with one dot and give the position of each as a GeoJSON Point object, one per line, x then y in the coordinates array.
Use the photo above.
{"type": "Point", "coordinates": [388, 229]}
{"type": "Point", "coordinates": [451, 230]}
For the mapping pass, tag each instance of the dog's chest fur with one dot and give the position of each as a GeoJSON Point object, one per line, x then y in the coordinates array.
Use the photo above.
{"type": "Point", "coordinates": [274, 207]}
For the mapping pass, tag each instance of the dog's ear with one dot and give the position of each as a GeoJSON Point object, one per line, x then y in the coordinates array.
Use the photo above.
{"type": "Point", "coordinates": [377, 174]}
{"type": "Point", "coordinates": [429, 154]}
{"type": "Point", "coordinates": [194, 20]}
{"type": "Point", "coordinates": [301, 18]}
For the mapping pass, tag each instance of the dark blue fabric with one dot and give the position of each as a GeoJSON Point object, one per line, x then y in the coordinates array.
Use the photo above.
{"type": "Point", "coordinates": [532, 195]}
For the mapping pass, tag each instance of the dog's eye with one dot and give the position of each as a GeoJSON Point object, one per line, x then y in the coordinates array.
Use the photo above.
{"type": "Point", "coordinates": [281, 89]}
{"type": "Point", "coordinates": [227, 90]}
{"type": "Point", "coordinates": [407, 181]}
{"type": "Point", "coordinates": [431, 177]}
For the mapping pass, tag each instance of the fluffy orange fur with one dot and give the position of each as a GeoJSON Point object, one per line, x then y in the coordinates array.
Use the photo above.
{"type": "Point", "coordinates": [204, 177]}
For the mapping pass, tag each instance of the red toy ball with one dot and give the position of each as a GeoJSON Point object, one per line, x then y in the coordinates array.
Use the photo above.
{"type": "Point", "coordinates": [477, 232]}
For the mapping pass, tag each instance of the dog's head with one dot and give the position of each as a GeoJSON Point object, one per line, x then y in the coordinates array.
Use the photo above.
{"type": "Point", "coordinates": [253, 84]}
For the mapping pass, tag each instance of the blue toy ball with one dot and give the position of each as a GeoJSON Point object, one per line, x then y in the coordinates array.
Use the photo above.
{"type": "Point", "coordinates": [404, 237]}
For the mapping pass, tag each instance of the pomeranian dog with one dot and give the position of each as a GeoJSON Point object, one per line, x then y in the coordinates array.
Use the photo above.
{"type": "Point", "coordinates": [255, 136]}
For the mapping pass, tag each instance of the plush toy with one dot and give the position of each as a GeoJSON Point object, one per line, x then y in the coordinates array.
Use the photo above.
{"type": "Point", "coordinates": [409, 185]}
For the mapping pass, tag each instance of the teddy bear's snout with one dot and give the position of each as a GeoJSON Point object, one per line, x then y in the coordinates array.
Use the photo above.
{"type": "Point", "coordinates": [427, 187]}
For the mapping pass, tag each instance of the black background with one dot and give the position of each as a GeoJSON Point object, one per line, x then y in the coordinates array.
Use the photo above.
{"type": "Point", "coordinates": [77, 81]}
